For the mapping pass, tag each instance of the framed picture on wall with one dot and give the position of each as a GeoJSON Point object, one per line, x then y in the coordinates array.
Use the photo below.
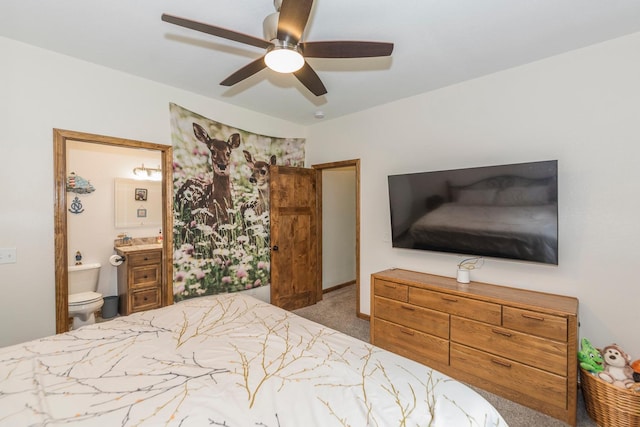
{"type": "Point", "coordinates": [142, 213]}
{"type": "Point", "coordinates": [141, 194]}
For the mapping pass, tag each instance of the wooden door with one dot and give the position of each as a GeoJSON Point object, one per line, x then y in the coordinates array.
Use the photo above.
{"type": "Point", "coordinates": [294, 269]}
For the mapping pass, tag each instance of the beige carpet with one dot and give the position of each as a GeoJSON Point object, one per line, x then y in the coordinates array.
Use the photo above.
{"type": "Point", "coordinates": [337, 310]}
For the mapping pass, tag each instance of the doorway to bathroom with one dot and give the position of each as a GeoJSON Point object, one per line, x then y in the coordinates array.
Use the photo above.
{"type": "Point", "coordinates": [69, 204]}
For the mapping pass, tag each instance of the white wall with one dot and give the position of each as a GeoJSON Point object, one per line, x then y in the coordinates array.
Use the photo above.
{"type": "Point", "coordinates": [580, 108]}
{"type": "Point", "coordinates": [42, 90]}
{"type": "Point", "coordinates": [338, 226]}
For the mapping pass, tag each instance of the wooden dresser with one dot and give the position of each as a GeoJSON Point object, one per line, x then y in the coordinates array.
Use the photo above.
{"type": "Point", "coordinates": [515, 343]}
{"type": "Point", "coordinates": [140, 278]}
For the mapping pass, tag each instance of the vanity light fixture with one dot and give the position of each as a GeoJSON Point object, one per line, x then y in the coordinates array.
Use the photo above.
{"type": "Point", "coordinates": [150, 172]}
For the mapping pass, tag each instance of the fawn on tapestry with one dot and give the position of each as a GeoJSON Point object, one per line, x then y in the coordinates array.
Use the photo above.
{"type": "Point", "coordinates": [221, 203]}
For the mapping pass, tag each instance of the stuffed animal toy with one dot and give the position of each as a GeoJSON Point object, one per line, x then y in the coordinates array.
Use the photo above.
{"type": "Point", "coordinates": [617, 370]}
{"type": "Point", "coordinates": [635, 365]}
{"type": "Point", "coordinates": [589, 357]}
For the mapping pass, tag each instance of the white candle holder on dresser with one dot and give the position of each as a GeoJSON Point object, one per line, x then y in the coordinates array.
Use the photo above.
{"type": "Point", "coordinates": [463, 275]}
{"type": "Point", "coordinates": [465, 266]}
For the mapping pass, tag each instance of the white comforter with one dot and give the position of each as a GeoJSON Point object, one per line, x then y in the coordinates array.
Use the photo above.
{"type": "Point", "coordinates": [228, 360]}
{"type": "Point", "coordinates": [488, 220]}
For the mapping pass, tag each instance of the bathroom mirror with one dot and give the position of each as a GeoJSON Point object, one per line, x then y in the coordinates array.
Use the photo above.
{"type": "Point", "coordinates": [138, 203]}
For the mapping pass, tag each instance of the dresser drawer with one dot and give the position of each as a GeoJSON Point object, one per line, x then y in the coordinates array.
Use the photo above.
{"type": "Point", "coordinates": [391, 290]}
{"type": "Point", "coordinates": [532, 322]}
{"type": "Point", "coordinates": [145, 276]}
{"type": "Point", "coordinates": [531, 350]}
{"type": "Point", "coordinates": [514, 380]}
{"type": "Point", "coordinates": [145, 299]}
{"type": "Point", "coordinates": [422, 319]}
{"type": "Point", "coordinates": [145, 257]}
{"type": "Point", "coordinates": [410, 343]}
{"type": "Point", "coordinates": [460, 306]}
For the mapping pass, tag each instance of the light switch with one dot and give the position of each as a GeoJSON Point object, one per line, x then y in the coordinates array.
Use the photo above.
{"type": "Point", "coordinates": [7, 255]}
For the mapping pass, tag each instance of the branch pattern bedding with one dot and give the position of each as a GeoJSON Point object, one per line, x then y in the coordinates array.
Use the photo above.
{"type": "Point", "coordinates": [224, 360]}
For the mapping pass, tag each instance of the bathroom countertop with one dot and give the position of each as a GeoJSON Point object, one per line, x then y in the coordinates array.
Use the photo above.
{"type": "Point", "coordinates": [135, 248]}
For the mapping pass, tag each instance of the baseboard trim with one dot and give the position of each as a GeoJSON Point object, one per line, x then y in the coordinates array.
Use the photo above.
{"type": "Point", "coordinates": [336, 287]}
{"type": "Point", "coordinates": [342, 285]}
{"type": "Point", "coordinates": [364, 316]}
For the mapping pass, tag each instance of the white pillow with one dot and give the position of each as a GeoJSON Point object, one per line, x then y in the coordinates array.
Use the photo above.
{"type": "Point", "coordinates": [477, 197]}
{"type": "Point", "coordinates": [523, 196]}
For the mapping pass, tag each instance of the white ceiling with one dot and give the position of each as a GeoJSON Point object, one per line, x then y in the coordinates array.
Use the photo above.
{"type": "Point", "coordinates": [437, 43]}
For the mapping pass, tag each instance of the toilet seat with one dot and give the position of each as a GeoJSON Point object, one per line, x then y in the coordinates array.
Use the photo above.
{"type": "Point", "coordinates": [83, 298]}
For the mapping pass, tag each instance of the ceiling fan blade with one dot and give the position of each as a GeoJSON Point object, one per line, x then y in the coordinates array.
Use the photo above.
{"type": "Point", "coordinates": [310, 79]}
{"type": "Point", "coordinates": [244, 72]}
{"type": "Point", "coordinates": [217, 31]}
{"type": "Point", "coordinates": [294, 15]}
{"type": "Point", "coordinates": [346, 49]}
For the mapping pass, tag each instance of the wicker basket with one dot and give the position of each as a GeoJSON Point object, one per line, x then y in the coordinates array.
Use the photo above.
{"type": "Point", "coordinates": [609, 405]}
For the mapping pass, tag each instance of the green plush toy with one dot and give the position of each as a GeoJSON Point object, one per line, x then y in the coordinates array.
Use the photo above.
{"type": "Point", "coordinates": [590, 358]}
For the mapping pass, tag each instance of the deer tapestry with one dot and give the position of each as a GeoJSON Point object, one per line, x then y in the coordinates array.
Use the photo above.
{"type": "Point", "coordinates": [221, 203]}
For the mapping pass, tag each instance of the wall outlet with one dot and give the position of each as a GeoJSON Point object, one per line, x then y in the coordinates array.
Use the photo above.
{"type": "Point", "coordinates": [7, 255]}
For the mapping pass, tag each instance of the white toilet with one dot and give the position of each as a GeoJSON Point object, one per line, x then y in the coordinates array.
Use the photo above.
{"type": "Point", "coordinates": [84, 301]}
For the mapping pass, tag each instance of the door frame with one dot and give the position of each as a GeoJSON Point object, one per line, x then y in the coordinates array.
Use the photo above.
{"type": "Point", "coordinates": [60, 138]}
{"type": "Point", "coordinates": [319, 169]}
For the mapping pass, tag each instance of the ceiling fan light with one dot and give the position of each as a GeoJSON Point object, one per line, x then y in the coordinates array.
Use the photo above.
{"type": "Point", "coordinates": [284, 59]}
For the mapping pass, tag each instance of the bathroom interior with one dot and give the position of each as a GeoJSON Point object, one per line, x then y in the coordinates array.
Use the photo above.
{"type": "Point", "coordinates": [124, 207]}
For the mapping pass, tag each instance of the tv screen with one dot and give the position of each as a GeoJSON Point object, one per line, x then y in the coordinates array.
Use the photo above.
{"type": "Point", "coordinates": [507, 211]}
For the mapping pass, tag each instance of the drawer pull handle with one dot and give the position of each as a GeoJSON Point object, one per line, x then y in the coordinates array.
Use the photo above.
{"type": "Point", "coordinates": [501, 363]}
{"type": "Point", "coordinates": [529, 316]}
{"type": "Point", "coordinates": [499, 332]}
{"type": "Point", "coordinates": [450, 299]}
{"type": "Point", "coordinates": [404, 331]}
{"type": "Point", "coordinates": [406, 307]}
{"type": "Point", "coordinates": [389, 286]}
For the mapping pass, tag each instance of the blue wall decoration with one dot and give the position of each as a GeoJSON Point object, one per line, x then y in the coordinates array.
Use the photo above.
{"type": "Point", "coordinates": [79, 185]}
{"type": "Point", "coordinates": [76, 206]}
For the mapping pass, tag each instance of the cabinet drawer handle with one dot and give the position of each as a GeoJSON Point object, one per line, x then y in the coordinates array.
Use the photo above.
{"type": "Point", "coordinates": [404, 331]}
{"type": "Point", "coordinates": [450, 299]}
{"type": "Point", "coordinates": [389, 286]}
{"type": "Point", "coordinates": [499, 332]}
{"type": "Point", "coordinates": [501, 363]}
{"type": "Point", "coordinates": [529, 316]}
{"type": "Point", "coordinates": [146, 259]}
{"type": "Point", "coordinates": [406, 307]}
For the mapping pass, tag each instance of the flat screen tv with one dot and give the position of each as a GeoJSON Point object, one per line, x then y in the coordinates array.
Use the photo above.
{"type": "Point", "coordinates": [507, 211]}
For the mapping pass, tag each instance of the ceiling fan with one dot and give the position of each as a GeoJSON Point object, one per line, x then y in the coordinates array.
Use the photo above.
{"type": "Point", "coordinates": [285, 50]}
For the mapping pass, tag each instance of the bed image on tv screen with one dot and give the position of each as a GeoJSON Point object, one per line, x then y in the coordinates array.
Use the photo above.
{"type": "Point", "coordinates": [508, 211]}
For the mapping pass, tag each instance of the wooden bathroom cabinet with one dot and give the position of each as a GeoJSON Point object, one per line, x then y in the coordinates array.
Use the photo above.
{"type": "Point", "coordinates": [140, 278]}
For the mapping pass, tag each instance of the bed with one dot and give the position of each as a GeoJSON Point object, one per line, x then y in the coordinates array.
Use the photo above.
{"type": "Point", "coordinates": [226, 360]}
{"type": "Point", "coordinates": [502, 216]}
